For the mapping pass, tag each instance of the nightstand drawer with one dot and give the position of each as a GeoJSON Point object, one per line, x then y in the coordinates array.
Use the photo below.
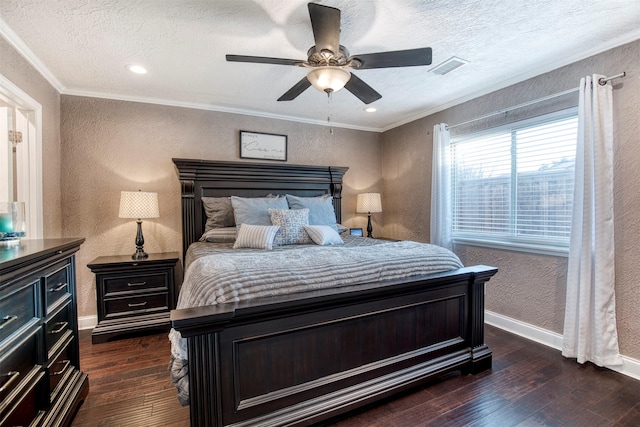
{"type": "Point", "coordinates": [18, 362]}
{"type": "Point", "coordinates": [58, 325]}
{"type": "Point", "coordinates": [137, 305]}
{"type": "Point", "coordinates": [56, 284]}
{"type": "Point", "coordinates": [134, 282]}
{"type": "Point", "coordinates": [18, 308]}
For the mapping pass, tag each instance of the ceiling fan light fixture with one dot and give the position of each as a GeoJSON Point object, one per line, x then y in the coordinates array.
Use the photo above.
{"type": "Point", "coordinates": [328, 79]}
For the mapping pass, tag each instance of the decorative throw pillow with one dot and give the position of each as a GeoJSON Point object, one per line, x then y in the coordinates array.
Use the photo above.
{"type": "Point", "coordinates": [219, 212]}
{"type": "Point", "coordinates": [220, 235]}
{"type": "Point", "coordinates": [255, 210]}
{"type": "Point", "coordinates": [321, 210]}
{"type": "Point", "coordinates": [323, 235]}
{"type": "Point", "coordinates": [291, 222]}
{"type": "Point", "coordinates": [255, 236]}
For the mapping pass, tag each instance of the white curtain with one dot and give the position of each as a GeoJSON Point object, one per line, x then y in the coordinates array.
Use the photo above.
{"type": "Point", "coordinates": [590, 332]}
{"type": "Point", "coordinates": [441, 188]}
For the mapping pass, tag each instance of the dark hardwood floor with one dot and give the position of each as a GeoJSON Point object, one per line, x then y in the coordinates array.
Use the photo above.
{"type": "Point", "coordinates": [530, 385]}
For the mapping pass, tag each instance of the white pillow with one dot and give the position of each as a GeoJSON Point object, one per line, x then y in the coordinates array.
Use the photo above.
{"type": "Point", "coordinates": [323, 235]}
{"type": "Point", "coordinates": [256, 236]}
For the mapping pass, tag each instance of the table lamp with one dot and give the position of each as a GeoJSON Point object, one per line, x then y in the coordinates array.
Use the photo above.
{"type": "Point", "coordinates": [368, 203]}
{"type": "Point", "coordinates": [139, 205]}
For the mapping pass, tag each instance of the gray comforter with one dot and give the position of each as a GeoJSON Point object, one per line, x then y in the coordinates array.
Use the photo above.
{"type": "Point", "coordinates": [216, 273]}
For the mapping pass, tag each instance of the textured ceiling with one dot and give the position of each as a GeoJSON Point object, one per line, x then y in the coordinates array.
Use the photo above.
{"type": "Point", "coordinates": [82, 47]}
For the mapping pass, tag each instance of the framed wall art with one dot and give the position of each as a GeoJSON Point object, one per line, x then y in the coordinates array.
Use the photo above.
{"type": "Point", "coordinates": [265, 146]}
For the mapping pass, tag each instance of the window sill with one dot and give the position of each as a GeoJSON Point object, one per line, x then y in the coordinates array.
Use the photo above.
{"type": "Point", "coordinates": [514, 246]}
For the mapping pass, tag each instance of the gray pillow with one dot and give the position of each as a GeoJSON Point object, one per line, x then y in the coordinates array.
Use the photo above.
{"type": "Point", "coordinates": [255, 210]}
{"type": "Point", "coordinates": [219, 212]}
{"type": "Point", "coordinates": [321, 210]}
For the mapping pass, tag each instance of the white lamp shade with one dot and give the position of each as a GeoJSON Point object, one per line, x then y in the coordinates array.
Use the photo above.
{"type": "Point", "coordinates": [139, 204]}
{"type": "Point", "coordinates": [333, 78]}
{"type": "Point", "coordinates": [368, 202]}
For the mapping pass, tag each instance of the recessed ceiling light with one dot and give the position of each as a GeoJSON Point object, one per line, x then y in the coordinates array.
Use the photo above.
{"type": "Point", "coordinates": [138, 69]}
{"type": "Point", "coordinates": [370, 109]}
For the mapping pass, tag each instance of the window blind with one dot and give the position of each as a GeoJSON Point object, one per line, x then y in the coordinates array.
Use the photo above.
{"type": "Point", "coordinates": [515, 183]}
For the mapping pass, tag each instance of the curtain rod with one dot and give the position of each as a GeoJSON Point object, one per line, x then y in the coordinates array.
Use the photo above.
{"type": "Point", "coordinates": [603, 81]}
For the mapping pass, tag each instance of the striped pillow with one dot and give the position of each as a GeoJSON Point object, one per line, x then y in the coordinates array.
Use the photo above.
{"type": "Point", "coordinates": [220, 235]}
{"type": "Point", "coordinates": [323, 235]}
{"type": "Point", "coordinates": [256, 236]}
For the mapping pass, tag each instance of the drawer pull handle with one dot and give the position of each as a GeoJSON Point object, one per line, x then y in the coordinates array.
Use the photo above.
{"type": "Point", "coordinates": [139, 304]}
{"type": "Point", "coordinates": [137, 284]}
{"type": "Point", "coordinates": [59, 288]}
{"type": "Point", "coordinates": [13, 377]}
{"type": "Point", "coordinates": [66, 365]}
{"type": "Point", "coordinates": [62, 326]}
{"type": "Point", "coordinates": [7, 319]}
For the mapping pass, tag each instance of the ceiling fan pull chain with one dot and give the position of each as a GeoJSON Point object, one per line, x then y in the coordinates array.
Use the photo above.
{"type": "Point", "coordinates": [329, 97]}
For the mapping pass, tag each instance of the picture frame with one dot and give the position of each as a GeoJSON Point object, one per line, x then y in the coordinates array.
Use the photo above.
{"type": "Point", "coordinates": [264, 146]}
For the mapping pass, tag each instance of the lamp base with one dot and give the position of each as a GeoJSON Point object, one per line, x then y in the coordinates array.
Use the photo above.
{"type": "Point", "coordinates": [140, 253]}
{"type": "Point", "coordinates": [369, 227]}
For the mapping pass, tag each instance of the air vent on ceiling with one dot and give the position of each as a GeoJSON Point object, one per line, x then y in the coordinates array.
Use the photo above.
{"type": "Point", "coordinates": [448, 65]}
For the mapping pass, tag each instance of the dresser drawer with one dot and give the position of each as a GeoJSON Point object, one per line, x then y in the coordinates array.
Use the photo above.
{"type": "Point", "coordinates": [134, 282]}
{"type": "Point", "coordinates": [27, 410]}
{"type": "Point", "coordinates": [61, 366]}
{"type": "Point", "coordinates": [137, 305]}
{"type": "Point", "coordinates": [18, 308]}
{"type": "Point", "coordinates": [16, 363]}
{"type": "Point", "coordinates": [57, 326]}
{"type": "Point", "coordinates": [56, 284]}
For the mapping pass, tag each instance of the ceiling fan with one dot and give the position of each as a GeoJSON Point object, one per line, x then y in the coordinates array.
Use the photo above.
{"type": "Point", "coordinates": [328, 60]}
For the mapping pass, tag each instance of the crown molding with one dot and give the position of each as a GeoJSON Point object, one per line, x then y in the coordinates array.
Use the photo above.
{"type": "Point", "coordinates": [23, 49]}
{"type": "Point", "coordinates": [564, 61]}
{"type": "Point", "coordinates": [8, 34]}
{"type": "Point", "coordinates": [218, 108]}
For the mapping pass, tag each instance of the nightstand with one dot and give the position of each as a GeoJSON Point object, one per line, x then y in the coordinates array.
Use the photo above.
{"type": "Point", "coordinates": [134, 295]}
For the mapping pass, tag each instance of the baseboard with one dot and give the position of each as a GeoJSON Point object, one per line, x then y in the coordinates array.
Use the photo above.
{"type": "Point", "coordinates": [630, 367]}
{"type": "Point", "coordinates": [87, 322]}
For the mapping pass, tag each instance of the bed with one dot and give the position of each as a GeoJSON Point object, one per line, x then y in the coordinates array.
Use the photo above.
{"type": "Point", "coordinates": [305, 357]}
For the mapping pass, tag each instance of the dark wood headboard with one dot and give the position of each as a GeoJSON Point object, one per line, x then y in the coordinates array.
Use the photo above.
{"type": "Point", "coordinates": [210, 178]}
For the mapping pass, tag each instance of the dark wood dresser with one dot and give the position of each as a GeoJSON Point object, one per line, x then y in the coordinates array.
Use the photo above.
{"type": "Point", "coordinates": [40, 379]}
{"type": "Point", "coordinates": [134, 295]}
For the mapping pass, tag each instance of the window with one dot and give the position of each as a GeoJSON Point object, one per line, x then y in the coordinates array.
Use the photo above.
{"type": "Point", "coordinates": [513, 186]}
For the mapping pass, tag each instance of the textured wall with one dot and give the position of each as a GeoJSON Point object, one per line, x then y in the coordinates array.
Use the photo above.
{"type": "Point", "coordinates": [531, 288]}
{"type": "Point", "coordinates": [109, 146]}
{"type": "Point", "coordinates": [15, 68]}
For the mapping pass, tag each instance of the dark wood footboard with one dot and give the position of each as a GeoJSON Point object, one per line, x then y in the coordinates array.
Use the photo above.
{"type": "Point", "coordinates": [300, 359]}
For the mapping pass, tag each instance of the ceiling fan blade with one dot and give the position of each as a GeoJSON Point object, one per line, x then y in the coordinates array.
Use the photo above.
{"type": "Point", "coordinates": [325, 22]}
{"type": "Point", "coordinates": [263, 60]}
{"type": "Point", "coordinates": [360, 89]}
{"type": "Point", "coordinates": [398, 58]}
{"type": "Point", "coordinates": [296, 90]}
